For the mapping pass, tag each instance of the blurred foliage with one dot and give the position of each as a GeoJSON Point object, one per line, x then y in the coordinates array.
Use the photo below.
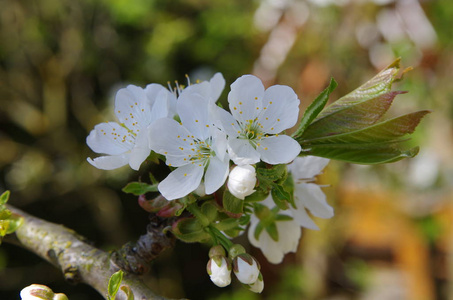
{"type": "Point", "coordinates": [61, 62]}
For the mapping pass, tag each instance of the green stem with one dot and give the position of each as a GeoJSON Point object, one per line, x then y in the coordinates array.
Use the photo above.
{"type": "Point", "coordinates": [220, 238]}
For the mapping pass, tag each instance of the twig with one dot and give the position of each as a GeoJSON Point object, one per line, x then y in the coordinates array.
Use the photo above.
{"type": "Point", "coordinates": [79, 261]}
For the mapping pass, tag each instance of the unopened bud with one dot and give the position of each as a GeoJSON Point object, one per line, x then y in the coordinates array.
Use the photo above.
{"type": "Point", "coordinates": [40, 292]}
{"type": "Point", "coordinates": [219, 270]}
{"type": "Point", "coordinates": [246, 268]}
{"type": "Point", "coordinates": [241, 181]}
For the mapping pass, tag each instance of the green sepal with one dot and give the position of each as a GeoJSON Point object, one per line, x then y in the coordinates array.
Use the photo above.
{"type": "Point", "coordinates": [314, 109]}
{"type": "Point", "coordinates": [127, 290]}
{"type": "Point", "coordinates": [271, 174]}
{"type": "Point", "coordinates": [210, 211]}
{"type": "Point", "coordinates": [232, 204]}
{"type": "Point", "coordinates": [114, 283]}
{"type": "Point", "coordinates": [4, 197]}
{"type": "Point", "coordinates": [190, 231]}
{"type": "Point", "coordinates": [227, 224]}
{"type": "Point", "coordinates": [139, 188]}
{"type": "Point", "coordinates": [283, 218]}
{"type": "Point", "coordinates": [271, 229]}
{"type": "Point", "coordinates": [281, 196]}
{"type": "Point", "coordinates": [257, 196]}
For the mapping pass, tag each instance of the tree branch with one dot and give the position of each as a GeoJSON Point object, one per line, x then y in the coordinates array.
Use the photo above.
{"type": "Point", "coordinates": [71, 253]}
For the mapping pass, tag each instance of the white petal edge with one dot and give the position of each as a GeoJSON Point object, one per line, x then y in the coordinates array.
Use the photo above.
{"type": "Point", "coordinates": [110, 162]}
{"type": "Point", "coordinates": [307, 166]}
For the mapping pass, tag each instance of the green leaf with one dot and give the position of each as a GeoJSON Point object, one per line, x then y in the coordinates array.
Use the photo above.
{"type": "Point", "coordinates": [4, 226]}
{"type": "Point", "coordinates": [114, 283]}
{"type": "Point", "coordinates": [350, 118]}
{"type": "Point", "coordinates": [4, 197]}
{"type": "Point", "coordinates": [139, 188]}
{"type": "Point", "coordinates": [232, 204]}
{"type": "Point", "coordinates": [127, 290]}
{"type": "Point", "coordinates": [15, 221]}
{"type": "Point", "coordinates": [315, 108]}
{"type": "Point", "coordinates": [4, 214]}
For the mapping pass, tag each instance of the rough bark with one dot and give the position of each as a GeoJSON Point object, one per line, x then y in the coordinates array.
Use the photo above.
{"type": "Point", "coordinates": [79, 261]}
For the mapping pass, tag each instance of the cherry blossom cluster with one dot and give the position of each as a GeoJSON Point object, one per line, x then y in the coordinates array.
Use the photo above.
{"type": "Point", "coordinates": [204, 144]}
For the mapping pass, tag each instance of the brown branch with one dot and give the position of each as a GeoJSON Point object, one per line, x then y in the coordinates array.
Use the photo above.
{"type": "Point", "coordinates": [70, 252]}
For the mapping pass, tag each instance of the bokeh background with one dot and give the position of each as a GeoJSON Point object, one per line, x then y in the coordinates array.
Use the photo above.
{"type": "Point", "coordinates": [61, 62]}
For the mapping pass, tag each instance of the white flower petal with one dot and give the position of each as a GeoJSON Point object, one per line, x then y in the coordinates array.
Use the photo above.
{"type": "Point", "coordinates": [219, 142]}
{"type": "Point", "coordinates": [280, 149]}
{"type": "Point", "coordinates": [108, 138]}
{"type": "Point", "coordinates": [282, 109]}
{"type": "Point", "coordinates": [217, 85]}
{"type": "Point", "coordinates": [242, 153]}
{"type": "Point", "coordinates": [140, 151]}
{"type": "Point", "coordinates": [225, 121]}
{"type": "Point", "coordinates": [110, 162]}
{"type": "Point", "coordinates": [216, 174]}
{"type": "Point", "coordinates": [133, 108]}
{"type": "Point", "coordinates": [307, 166]}
{"type": "Point", "coordinates": [166, 136]}
{"type": "Point", "coordinates": [313, 199]}
{"type": "Point", "coordinates": [301, 216]}
{"type": "Point", "coordinates": [193, 109]}
{"type": "Point", "coordinates": [244, 98]}
{"type": "Point", "coordinates": [181, 181]}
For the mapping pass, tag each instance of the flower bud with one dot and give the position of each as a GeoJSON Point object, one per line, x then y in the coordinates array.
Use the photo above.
{"type": "Point", "coordinates": [258, 285]}
{"type": "Point", "coordinates": [40, 292]}
{"type": "Point", "coordinates": [246, 268]}
{"type": "Point", "coordinates": [219, 270]}
{"type": "Point", "coordinates": [241, 181]}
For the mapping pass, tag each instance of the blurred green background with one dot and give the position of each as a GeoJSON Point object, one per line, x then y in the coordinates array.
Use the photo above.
{"type": "Point", "coordinates": [62, 61]}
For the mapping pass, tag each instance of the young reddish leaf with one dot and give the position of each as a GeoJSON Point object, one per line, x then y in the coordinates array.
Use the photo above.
{"type": "Point", "coordinates": [351, 118]}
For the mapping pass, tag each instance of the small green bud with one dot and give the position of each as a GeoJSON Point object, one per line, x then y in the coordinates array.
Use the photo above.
{"type": "Point", "coordinates": [217, 251]}
{"type": "Point", "coordinates": [235, 250]}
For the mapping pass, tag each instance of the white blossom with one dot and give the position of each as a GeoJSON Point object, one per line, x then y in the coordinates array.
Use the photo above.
{"type": "Point", "coordinates": [307, 195]}
{"type": "Point", "coordinates": [126, 142]}
{"type": "Point", "coordinates": [241, 181]}
{"type": "Point", "coordinates": [195, 147]}
{"type": "Point", "coordinates": [219, 271]}
{"type": "Point", "coordinates": [257, 118]}
{"type": "Point", "coordinates": [289, 233]}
